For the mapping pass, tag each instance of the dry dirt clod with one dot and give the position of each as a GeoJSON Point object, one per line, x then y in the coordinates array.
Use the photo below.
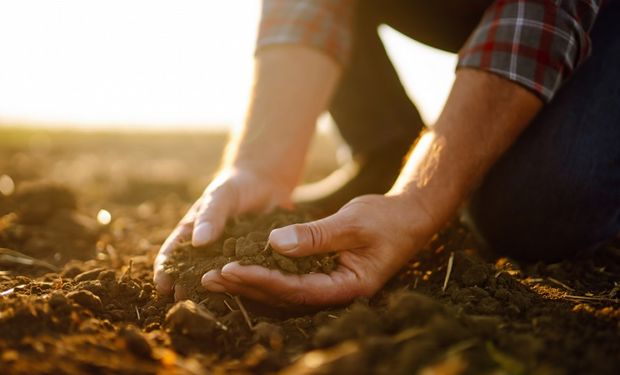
{"type": "Point", "coordinates": [246, 247]}
{"type": "Point", "coordinates": [229, 246]}
{"type": "Point", "coordinates": [285, 263]}
{"type": "Point", "coordinates": [86, 299]}
{"type": "Point", "coordinates": [190, 319]}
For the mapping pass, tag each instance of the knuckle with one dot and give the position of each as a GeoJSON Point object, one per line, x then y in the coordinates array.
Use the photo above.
{"type": "Point", "coordinates": [317, 233]}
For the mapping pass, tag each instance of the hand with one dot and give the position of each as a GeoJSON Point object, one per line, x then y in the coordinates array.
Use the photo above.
{"type": "Point", "coordinates": [375, 236]}
{"type": "Point", "coordinates": [232, 192]}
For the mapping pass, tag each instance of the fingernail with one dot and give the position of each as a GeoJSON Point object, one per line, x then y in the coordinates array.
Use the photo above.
{"type": "Point", "coordinates": [231, 277]}
{"type": "Point", "coordinates": [203, 234]}
{"type": "Point", "coordinates": [284, 238]}
{"type": "Point", "coordinates": [213, 287]}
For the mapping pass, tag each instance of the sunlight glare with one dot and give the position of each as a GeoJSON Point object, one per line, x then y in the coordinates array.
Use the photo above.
{"type": "Point", "coordinates": [155, 63]}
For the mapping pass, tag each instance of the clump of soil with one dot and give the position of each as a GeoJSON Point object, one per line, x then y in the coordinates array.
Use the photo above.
{"type": "Point", "coordinates": [245, 240]}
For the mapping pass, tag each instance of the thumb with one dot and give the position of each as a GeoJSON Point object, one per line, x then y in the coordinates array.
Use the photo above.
{"type": "Point", "coordinates": [333, 233]}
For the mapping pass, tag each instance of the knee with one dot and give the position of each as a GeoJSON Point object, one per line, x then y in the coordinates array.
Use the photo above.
{"type": "Point", "coordinates": [546, 223]}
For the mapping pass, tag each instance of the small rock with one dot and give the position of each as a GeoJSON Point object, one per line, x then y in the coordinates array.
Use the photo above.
{"type": "Point", "coordinates": [86, 299]}
{"type": "Point", "coordinates": [190, 319]}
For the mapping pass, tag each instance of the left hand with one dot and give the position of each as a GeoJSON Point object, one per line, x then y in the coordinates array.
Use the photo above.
{"type": "Point", "coordinates": [375, 236]}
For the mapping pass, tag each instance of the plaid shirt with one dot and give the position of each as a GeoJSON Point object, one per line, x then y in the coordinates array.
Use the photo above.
{"type": "Point", "coordinates": [536, 43]}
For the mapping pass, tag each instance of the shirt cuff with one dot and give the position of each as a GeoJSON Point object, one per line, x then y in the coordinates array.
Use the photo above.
{"type": "Point", "coordinates": [321, 24]}
{"type": "Point", "coordinates": [537, 44]}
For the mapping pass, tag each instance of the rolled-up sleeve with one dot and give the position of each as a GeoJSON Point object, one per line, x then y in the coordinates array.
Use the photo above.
{"type": "Point", "coordinates": [321, 24]}
{"type": "Point", "coordinates": [536, 43]}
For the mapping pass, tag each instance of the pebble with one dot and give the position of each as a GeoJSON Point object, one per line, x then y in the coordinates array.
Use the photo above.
{"type": "Point", "coordinates": [86, 299]}
{"type": "Point", "coordinates": [190, 319]}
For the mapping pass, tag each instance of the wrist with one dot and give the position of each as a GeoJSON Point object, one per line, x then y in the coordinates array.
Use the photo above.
{"type": "Point", "coordinates": [421, 222]}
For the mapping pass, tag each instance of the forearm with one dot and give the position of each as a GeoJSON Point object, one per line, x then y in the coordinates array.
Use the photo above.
{"type": "Point", "coordinates": [483, 116]}
{"type": "Point", "coordinates": [291, 88]}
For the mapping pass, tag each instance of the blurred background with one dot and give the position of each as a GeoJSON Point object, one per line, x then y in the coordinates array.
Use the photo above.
{"type": "Point", "coordinates": [154, 64]}
{"type": "Point", "coordinates": [128, 102]}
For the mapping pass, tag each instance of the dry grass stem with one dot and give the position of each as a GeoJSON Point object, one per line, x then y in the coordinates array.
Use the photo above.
{"type": "Point", "coordinates": [246, 316]}
{"type": "Point", "coordinates": [597, 299]}
{"type": "Point", "coordinates": [228, 305]}
{"type": "Point", "coordinates": [448, 272]}
{"type": "Point", "coordinates": [7, 292]}
{"type": "Point", "coordinates": [558, 282]}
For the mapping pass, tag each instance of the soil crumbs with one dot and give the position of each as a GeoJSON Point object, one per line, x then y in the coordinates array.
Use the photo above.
{"type": "Point", "coordinates": [244, 240]}
{"type": "Point", "coordinates": [76, 297]}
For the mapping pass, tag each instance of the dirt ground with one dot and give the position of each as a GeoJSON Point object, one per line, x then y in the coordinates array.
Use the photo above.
{"type": "Point", "coordinates": [76, 294]}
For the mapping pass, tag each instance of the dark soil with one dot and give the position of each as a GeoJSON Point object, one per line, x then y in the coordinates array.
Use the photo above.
{"type": "Point", "coordinates": [77, 297]}
{"type": "Point", "coordinates": [244, 240]}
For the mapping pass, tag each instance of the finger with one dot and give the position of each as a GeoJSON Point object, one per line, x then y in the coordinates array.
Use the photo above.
{"type": "Point", "coordinates": [211, 217]}
{"type": "Point", "coordinates": [163, 282]}
{"type": "Point", "coordinates": [319, 289]}
{"type": "Point", "coordinates": [336, 232]}
{"type": "Point", "coordinates": [180, 294]}
{"type": "Point", "coordinates": [214, 282]}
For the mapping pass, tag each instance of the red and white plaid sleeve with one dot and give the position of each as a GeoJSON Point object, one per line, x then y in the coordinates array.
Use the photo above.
{"type": "Point", "coordinates": [320, 24]}
{"type": "Point", "coordinates": [536, 43]}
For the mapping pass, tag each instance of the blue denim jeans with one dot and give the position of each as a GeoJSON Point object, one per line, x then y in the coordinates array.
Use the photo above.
{"type": "Point", "coordinates": [557, 190]}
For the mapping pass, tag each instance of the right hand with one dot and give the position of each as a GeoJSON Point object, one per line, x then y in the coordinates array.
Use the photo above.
{"type": "Point", "coordinates": [232, 192]}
